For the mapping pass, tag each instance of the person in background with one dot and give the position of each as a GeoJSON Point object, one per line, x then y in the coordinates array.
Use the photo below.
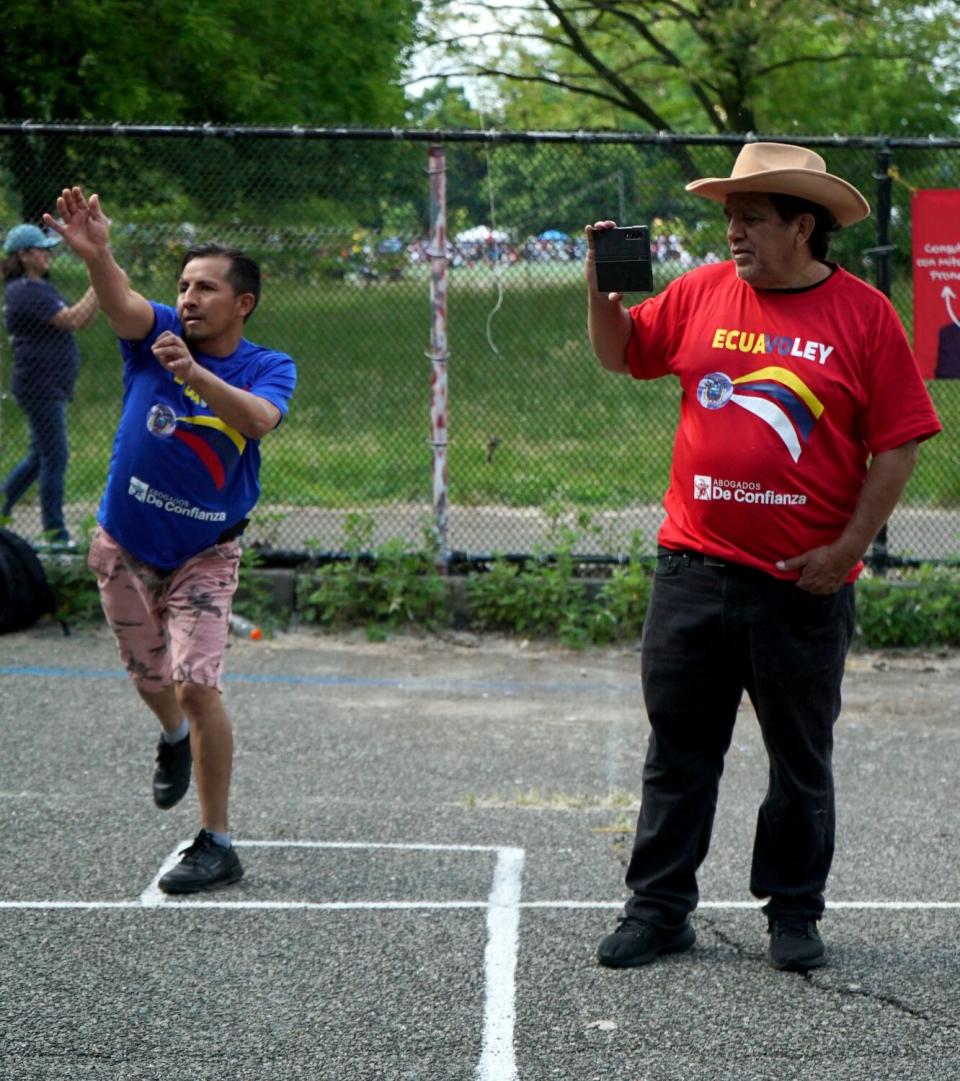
{"type": "Point", "coordinates": [197, 399]}
{"type": "Point", "coordinates": [40, 326]}
{"type": "Point", "coordinates": [948, 352]}
{"type": "Point", "coordinates": [800, 413]}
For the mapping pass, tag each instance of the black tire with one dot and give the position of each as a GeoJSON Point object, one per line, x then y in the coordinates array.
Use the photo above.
{"type": "Point", "coordinates": [25, 594]}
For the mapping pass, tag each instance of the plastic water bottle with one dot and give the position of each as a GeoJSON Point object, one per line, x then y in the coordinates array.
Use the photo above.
{"type": "Point", "coordinates": [245, 628]}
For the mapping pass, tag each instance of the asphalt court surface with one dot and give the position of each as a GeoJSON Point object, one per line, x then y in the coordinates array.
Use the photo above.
{"type": "Point", "coordinates": [434, 833]}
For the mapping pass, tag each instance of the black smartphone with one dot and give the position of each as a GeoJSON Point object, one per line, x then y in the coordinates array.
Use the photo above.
{"type": "Point", "coordinates": [623, 259]}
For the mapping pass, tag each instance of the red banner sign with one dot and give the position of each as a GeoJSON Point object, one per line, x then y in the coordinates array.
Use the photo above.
{"type": "Point", "coordinates": [936, 282]}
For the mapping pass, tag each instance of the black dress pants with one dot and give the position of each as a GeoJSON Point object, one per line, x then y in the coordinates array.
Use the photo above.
{"type": "Point", "coordinates": [713, 631]}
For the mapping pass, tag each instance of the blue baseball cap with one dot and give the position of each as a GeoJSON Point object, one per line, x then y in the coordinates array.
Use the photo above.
{"type": "Point", "coordinates": [27, 236]}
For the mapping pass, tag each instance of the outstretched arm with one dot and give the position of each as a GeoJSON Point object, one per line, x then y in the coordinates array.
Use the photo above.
{"type": "Point", "coordinates": [86, 230]}
{"type": "Point", "coordinates": [825, 569]}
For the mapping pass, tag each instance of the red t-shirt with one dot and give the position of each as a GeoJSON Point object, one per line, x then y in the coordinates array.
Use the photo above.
{"type": "Point", "coordinates": [785, 397]}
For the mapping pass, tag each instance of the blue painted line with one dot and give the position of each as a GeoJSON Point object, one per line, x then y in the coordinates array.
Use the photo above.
{"type": "Point", "coordinates": [402, 683]}
{"type": "Point", "coordinates": [61, 673]}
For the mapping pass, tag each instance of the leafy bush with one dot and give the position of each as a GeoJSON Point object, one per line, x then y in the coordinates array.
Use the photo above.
{"type": "Point", "coordinates": [74, 585]}
{"type": "Point", "coordinates": [920, 608]}
{"type": "Point", "coordinates": [74, 588]}
{"type": "Point", "coordinates": [253, 599]}
{"type": "Point", "coordinates": [622, 600]}
{"type": "Point", "coordinates": [547, 598]}
{"type": "Point", "coordinates": [389, 586]}
{"type": "Point", "coordinates": [396, 585]}
{"type": "Point", "coordinates": [540, 599]}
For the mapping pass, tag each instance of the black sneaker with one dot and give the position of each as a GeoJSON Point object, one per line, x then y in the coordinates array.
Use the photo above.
{"type": "Point", "coordinates": [205, 865]}
{"type": "Point", "coordinates": [638, 943]}
{"type": "Point", "coordinates": [795, 943]}
{"type": "Point", "coordinates": [171, 778]}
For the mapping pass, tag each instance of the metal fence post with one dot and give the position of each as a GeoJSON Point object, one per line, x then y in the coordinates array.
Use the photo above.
{"type": "Point", "coordinates": [884, 248]}
{"type": "Point", "coordinates": [879, 556]}
{"type": "Point", "coordinates": [438, 346]}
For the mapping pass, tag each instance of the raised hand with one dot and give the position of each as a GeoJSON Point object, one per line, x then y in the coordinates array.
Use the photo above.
{"type": "Point", "coordinates": [83, 225]}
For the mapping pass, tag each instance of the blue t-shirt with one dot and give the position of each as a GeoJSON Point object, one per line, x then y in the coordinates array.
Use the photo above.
{"type": "Point", "coordinates": [45, 359]}
{"type": "Point", "coordinates": [179, 476]}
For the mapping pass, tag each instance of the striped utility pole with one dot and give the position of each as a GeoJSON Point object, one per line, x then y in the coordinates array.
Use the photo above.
{"type": "Point", "coordinates": [438, 353]}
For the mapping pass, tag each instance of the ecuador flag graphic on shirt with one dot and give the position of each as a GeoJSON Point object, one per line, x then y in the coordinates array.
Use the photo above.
{"type": "Point", "coordinates": [217, 445]}
{"type": "Point", "coordinates": [776, 395]}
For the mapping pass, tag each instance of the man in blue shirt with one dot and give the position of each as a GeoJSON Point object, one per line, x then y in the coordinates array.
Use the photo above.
{"type": "Point", "coordinates": [183, 476]}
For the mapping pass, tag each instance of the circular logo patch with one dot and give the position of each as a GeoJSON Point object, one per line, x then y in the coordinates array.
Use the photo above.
{"type": "Point", "coordinates": [715, 390]}
{"type": "Point", "coordinates": [161, 421]}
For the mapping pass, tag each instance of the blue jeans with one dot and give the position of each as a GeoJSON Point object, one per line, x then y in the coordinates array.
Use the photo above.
{"type": "Point", "coordinates": [46, 458]}
{"type": "Point", "coordinates": [712, 632]}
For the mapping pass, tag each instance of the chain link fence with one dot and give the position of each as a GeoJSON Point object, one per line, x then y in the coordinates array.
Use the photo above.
{"type": "Point", "coordinates": [542, 446]}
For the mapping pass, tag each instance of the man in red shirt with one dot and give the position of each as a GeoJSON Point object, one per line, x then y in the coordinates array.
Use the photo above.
{"type": "Point", "coordinates": [801, 410]}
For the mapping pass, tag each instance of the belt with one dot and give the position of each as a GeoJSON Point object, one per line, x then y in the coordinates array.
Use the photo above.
{"type": "Point", "coordinates": [698, 558]}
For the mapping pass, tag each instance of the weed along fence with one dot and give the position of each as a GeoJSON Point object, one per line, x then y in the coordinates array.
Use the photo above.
{"type": "Point", "coordinates": [429, 285]}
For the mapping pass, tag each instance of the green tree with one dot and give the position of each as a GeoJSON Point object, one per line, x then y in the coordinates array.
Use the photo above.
{"type": "Point", "coordinates": [442, 106]}
{"type": "Point", "coordinates": [320, 62]}
{"type": "Point", "coordinates": [856, 66]}
{"type": "Point", "coordinates": [237, 61]}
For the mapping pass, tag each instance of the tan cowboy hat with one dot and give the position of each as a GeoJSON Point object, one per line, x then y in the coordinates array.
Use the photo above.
{"type": "Point", "coordinates": [787, 170]}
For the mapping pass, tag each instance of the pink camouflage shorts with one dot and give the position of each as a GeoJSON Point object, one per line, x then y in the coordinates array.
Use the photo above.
{"type": "Point", "coordinates": [171, 626]}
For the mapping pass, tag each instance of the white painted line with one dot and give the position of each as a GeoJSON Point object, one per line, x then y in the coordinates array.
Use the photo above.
{"type": "Point", "coordinates": [369, 844]}
{"type": "Point", "coordinates": [53, 905]}
{"type": "Point", "coordinates": [170, 903]}
{"type": "Point", "coordinates": [735, 906]}
{"type": "Point", "coordinates": [895, 906]}
{"type": "Point", "coordinates": [400, 906]}
{"type": "Point", "coordinates": [571, 904]}
{"type": "Point", "coordinates": [153, 896]}
{"type": "Point", "coordinates": [497, 1057]}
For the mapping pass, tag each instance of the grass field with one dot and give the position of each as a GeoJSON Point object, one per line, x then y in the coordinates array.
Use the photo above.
{"type": "Point", "coordinates": [533, 420]}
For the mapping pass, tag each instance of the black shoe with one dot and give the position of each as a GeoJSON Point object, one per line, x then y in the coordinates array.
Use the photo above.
{"type": "Point", "coordinates": [205, 865]}
{"type": "Point", "coordinates": [171, 778]}
{"type": "Point", "coordinates": [795, 944]}
{"type": "Point", "coordinates": [638, 943]}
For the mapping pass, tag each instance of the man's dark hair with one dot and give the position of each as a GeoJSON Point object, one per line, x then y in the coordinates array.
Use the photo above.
{"type": "Point", "coordinates": [243, 275]}
{"type": "Point", "coordinates": [790, 207]}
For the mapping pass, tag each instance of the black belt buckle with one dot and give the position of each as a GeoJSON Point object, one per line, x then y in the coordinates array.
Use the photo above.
{"type": "Point", "coordinates": [712, 561]}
